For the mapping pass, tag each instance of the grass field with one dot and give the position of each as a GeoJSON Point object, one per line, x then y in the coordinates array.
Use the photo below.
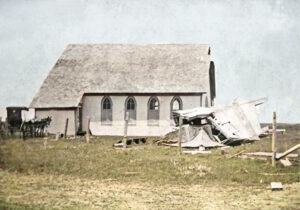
{"type": "Point", "coordinates": [71, 174]}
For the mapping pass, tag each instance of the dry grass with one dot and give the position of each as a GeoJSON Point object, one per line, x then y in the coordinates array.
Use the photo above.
{"type": "Point", "coordinates": [56, 192]}
{"type": "Point", "coordinates": [74, 174]}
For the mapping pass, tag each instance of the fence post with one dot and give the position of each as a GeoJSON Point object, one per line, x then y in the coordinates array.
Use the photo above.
{"type": "Point", "coordinates": [125, 130]}
{"type": "Point", "coordinates": [66, 127]}
{"type": "Point", "coordinates": [180, 134]}
{"type": "Point", "coordinates": [88, 131]}
{"type": "Point", "coordinates": [57, 136]}
{"type": "Point", "coordinates": [274, 140]}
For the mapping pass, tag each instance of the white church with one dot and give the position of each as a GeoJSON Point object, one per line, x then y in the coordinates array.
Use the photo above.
{"type": "Point", "coordinates": [101, 82]}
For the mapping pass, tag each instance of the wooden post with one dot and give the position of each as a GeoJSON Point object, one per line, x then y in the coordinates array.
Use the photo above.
{"type": "Point", "coordinates": [274, 140]}
{"type": "Point", "coordinates": [46, 132]}
{"type": "Point", "coordinates": [286, 147]}
{"type": "Point", "coordinates": [66, 127]}
{"type": "Point", "coordinates": [125, 130]}
{"type": "Point", "coordinates": [21, 129]}
{"type": "Point", "coordinates": [180, 134]}
{"type": "Point", "coordinates": [57, 136]}
{"type": "Point", "coordinates": [88, 131]}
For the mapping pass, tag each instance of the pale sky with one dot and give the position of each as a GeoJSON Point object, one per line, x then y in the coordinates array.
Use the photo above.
{"type": "Point", "coordinates": [255, 44]}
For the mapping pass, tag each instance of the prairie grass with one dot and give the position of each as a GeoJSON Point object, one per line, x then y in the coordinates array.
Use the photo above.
{"type": "Point", "coordinates": [67, 170]}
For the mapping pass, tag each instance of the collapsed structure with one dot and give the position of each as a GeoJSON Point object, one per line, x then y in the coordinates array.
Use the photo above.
{"type": "Point", "coordinates": [218, 126]}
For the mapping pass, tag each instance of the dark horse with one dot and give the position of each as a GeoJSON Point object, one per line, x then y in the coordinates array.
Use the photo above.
{"type": "Point", "coordinates": [35, 127]}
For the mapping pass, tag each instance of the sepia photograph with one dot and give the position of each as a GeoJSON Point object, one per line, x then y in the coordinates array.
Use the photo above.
{"type": "Point", "coordinates": [149, 104]}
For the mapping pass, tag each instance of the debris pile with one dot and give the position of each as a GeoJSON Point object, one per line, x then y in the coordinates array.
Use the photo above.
{"type": "Point", "coordinates": [219, 126]}
{"type": "Point", "coordinates": [131, 141]}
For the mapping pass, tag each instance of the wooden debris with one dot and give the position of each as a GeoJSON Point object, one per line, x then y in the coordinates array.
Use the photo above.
{"type": "Point", "coordinates": [286, 162]}
{"type": "Point", "coordinates": [131, 173]}
{"type": "Point", "coordinates": [277, 174]}
{"type": "Point", "coordinates": [194, 152]}
{"type": "Point", "coordinates": [282, 131]}
{"type": "Point", "coordinates": [201, 148]}
{"type": "Point", "coordinates": [279, 156]}
{"type": "Point", "coordinates": [276, 186]}
{"type": "Point", "coordinates": [268, 154]}
{"type": "Point", "coordinates": [136, 141]}
{"type": "Point", "coordinates": [278, 130]}
{"type": "Point", "coordinates": [237, 154]}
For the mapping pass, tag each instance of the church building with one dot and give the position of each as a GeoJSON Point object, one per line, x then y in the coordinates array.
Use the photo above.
{"type": "Point", "coordinates": [99, 83]}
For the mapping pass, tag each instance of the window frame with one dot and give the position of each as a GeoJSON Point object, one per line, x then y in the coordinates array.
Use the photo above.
{"type": "Point", "coordinates": [153, 121]}
{"type": "Point", "coordinates": [130, 122]}
{"type": "Point", "coordinates": [102, 111]}
{"type": "Point", "coordinates": [171, 105]}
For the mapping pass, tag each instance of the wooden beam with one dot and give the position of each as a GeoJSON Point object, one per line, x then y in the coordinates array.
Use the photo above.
{"type": "Point", "coordinates": [237, 154]}
{"type": "Point", "coordinates": [288, 152]}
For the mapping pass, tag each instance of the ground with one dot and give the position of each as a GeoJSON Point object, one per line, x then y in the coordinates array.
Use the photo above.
{"type": "Point", "coordinates": [72, 174]}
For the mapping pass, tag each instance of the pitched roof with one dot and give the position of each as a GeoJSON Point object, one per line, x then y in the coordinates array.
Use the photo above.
{"type": "Point", "coordinates": [116, 68]}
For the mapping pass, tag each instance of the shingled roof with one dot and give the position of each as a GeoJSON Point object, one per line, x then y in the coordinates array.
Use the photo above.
{"type": "Point", "coordinates": [115, 68]}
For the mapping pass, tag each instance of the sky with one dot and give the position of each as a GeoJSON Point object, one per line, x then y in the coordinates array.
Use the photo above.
{"type": "Point", "coordinates": [255, 44]}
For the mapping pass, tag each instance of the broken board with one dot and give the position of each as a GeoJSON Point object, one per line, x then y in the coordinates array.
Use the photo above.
{"type": "Point", "coordinates": [285, 162]}
{"type": "Point", "coordinates": [194, 152]}
{"type": "Point", "coordinates": [276, 186]}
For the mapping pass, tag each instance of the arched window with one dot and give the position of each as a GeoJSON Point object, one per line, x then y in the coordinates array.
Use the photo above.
{"type": "Point", "coordinates": [130, 106]}
{"type": "Point", "coordinates": [176, 104]}
{"type": "Point", "coordinates": [106, 111]}
{"type": "Point", "coordinates": [153, 110]}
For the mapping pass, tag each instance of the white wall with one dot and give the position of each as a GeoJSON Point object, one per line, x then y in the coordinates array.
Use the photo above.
{"type": "Point", "coordinates": [92, 109]}
{"type": "Point", "coordinates": [58, 120]}
{"type": "Point", "coordinates": [3, 113]}
{"type": "Point", "coordinates": [28, 115]}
